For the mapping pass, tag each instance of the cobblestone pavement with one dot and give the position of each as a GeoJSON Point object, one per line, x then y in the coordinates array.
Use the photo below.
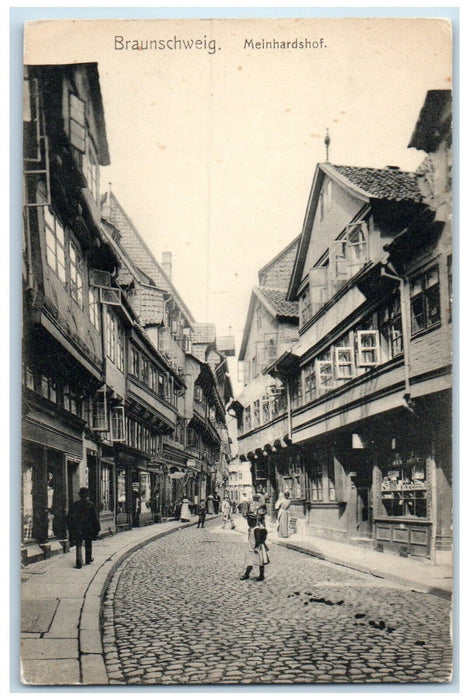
{"type": "Point", "coordinates": [176, 613]}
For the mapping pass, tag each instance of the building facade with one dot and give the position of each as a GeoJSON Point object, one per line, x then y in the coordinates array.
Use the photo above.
{"type": "Point", "coordinates": [108, 398]}
{"type": "Point", "coordinates": [369, 383]}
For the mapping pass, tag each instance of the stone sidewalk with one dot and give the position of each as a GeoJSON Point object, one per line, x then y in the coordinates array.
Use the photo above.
{"type": "Point", "coordinates": [422, 576]}
{"type": "Point", "coordinates": [61, 606]}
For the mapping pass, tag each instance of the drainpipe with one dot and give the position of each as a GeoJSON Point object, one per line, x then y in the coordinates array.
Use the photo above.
{"type": "Point", "coordinates": [405, 335]}
{"type": "Point", "coordinates": [289, 415]}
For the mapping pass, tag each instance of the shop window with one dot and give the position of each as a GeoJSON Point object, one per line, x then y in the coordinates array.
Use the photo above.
{"type": "Point", "coordinates": [367, 348]}
{"type": "Point", "coordinates": [425, 300]}
{"type": "Point", "coordinates": [117, 424]}
{"type": "Point", "coordinates": [106, 488]}
{"type": "Point", "coordinates": [76, 274]}
{"type": "Point", "coordinates": [404, 489]}
{"type": "Point", "coordinates": [27, 503]}
{"type": "Point", "coordinates": [77, 122]}
{"type": "Point", "coordinates": [55, 244]}
{"type": "Point", "coordinates": [121, 489]}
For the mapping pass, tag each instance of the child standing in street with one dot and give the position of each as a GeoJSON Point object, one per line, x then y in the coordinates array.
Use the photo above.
{"type": "Point", "coordinates": [257, 548]}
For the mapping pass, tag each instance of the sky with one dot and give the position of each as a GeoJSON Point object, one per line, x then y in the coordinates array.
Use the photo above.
{"type": "Point", "coordinates": [213, 150]}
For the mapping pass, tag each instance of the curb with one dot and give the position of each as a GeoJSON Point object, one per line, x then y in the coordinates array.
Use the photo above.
{"type": "Point", "coordinates": [90, 646]}
{"type": "Point", "coordinates": [416, 586]}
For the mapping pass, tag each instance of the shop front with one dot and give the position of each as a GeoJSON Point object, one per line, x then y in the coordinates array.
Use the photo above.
{"type": "Point", "coordinates": [51, 454]}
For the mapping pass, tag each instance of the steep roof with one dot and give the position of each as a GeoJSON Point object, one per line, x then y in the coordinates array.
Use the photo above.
{"type": "Point", "coordinates": [275, 299]}
{"type": "Point", "coordinates": [434, 121]}
{"type": "Point", "coordinates": [380, 183]}
{"type": "Point", "coordinates": [276, 273]}
{"type": "Point", "coordinates": [203, 333]}
{"type": "Point", "coordinates": [138, 251]}
{"type": "Point", "coordinates": [366, 184]}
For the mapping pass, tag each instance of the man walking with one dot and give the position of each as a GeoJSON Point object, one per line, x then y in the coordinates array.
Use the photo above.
{"type": "Point", "coordinates": [202, 513]}
{"type": "Point", "coordinates": [83, 525]}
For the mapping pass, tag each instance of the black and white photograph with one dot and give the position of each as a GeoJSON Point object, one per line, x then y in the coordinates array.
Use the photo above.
{"type": "Point", "coordinates": [236, 403]}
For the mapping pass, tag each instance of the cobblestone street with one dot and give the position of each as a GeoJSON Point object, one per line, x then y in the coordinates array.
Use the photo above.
{"type": "Point", "coordinates": [176, 612]}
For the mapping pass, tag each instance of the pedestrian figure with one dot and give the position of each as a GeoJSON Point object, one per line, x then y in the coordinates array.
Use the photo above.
{"type": "Point", "coordinates": [216, 503]}
{"type": "Point", "coordinates": [185, 510]}
{"type": "Point", "coordinates": [202, 513]}
{"type": "Point", "coordinates": [227, 515]}
{"type": "Point", "coordinates": [257, 548]}
{"type": "Point", "coordinates": [210, 505]}
{"type": "Point", "coordinates": [83, 525]}
{"type": "Point", "coordinates": [283, 516]}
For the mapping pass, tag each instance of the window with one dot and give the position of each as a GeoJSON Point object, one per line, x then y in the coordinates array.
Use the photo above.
{"type": "Point", "coordinates": [325, 372]}
{"type": "Point", "coordinates": [425, 300]}
{"type": "Point", "coordinates": [247, 418]}
{"type": "Point", "coordinates": [331, 478]}
{"type": "Point", "coordinates": [93, 300]}
{"type": "Point", "coordinates": [106, 488]}
{"type": "Point", "coordinates": [99, 411]}
{"type": "Point", "coordinates": [111, 336]}
{"type": "Point", "coordinates": [71, 401]}
{"type": "Point", "coordinates": [265, 409]}
{"type": "Point", "coordinates": [117, 424]}
{"type": "Point", "coordinates": [77, 123]}
{"type": "Point", "coordinates": [305, 306]}
{"type": "Point", "coordinates": [344, 362]}
{"type": "Point", "coordinates": [55, 244]}
{"type": "Point", "coordinates": [256, 414]}
{"type": "Point", "coordinates": [48, 388]}
{"type": "Point", "coordinates": [76, 274]}
{"type": "Point", "coordinates": [357, 247]}
{"type": "Point", "coordinates": [367, 348]}
{"type": "Point", "coordinates": [310, 382]}
{"type": "Point", "coordinates": [91, 169]}
{"type": "Point", "coordinates": [297, 392]}
{"type": "Point", "coordinates": [316, 482]}
{"type": "Point", "coordinates": [134, 362]}
{"type": "Point", "coordinates": [120, 348]}
{"type": "Point", "coordinates": [390, 321]}
{"type": "Point", "coordinates": [318, 289]}
{"type": "Point", "coordinates": [145, 370]}
{"type": "Point", "coordinates": [404, 489]}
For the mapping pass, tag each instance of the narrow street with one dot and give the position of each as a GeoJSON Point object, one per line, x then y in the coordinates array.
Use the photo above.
{"type": "Point", "coordinates": [177, 612]}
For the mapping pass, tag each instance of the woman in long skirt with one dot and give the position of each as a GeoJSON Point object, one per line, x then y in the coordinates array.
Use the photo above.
{"type": "Point", "coordinates": [283, 516]}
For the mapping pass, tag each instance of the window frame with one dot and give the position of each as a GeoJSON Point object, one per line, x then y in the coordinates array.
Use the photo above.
{"type": "Point", "coordinates": [59, 267]}
{"type": "Point", "coordinates": [360, 334]}
{"type": "Point", "coordinates": [423, 296]}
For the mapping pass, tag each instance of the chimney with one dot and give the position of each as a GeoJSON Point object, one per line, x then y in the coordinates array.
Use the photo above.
{"type": "Point", "coordinates": [166, 263]}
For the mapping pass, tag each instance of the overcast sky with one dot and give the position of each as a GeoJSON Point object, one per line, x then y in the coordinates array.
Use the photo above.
{"type": "Point", "coordinates": [213, 154]}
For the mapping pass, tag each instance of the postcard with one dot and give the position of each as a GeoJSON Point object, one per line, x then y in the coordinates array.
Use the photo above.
{"type": "Point", "coordinates": [237, 352]}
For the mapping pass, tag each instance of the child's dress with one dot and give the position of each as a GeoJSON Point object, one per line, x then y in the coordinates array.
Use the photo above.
{"type": "Point", "coordinates": [257, 549]}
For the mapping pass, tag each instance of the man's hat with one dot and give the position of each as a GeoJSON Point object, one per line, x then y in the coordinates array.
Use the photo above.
{"type": "Point", "coordinates": [83, 491]}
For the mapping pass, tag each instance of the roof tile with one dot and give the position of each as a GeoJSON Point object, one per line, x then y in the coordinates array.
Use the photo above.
{"type": "Point", "coordinates": [276, 298]}
{"type": "Point", "coordinates": [382, 183]}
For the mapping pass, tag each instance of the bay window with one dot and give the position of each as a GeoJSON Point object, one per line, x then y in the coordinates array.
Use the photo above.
{"type": "Point", "coordinates": [55, 244]}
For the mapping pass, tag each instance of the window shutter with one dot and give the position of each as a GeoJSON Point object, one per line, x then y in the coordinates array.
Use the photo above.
{"type": "Point", "coordinates": [368, 348]}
